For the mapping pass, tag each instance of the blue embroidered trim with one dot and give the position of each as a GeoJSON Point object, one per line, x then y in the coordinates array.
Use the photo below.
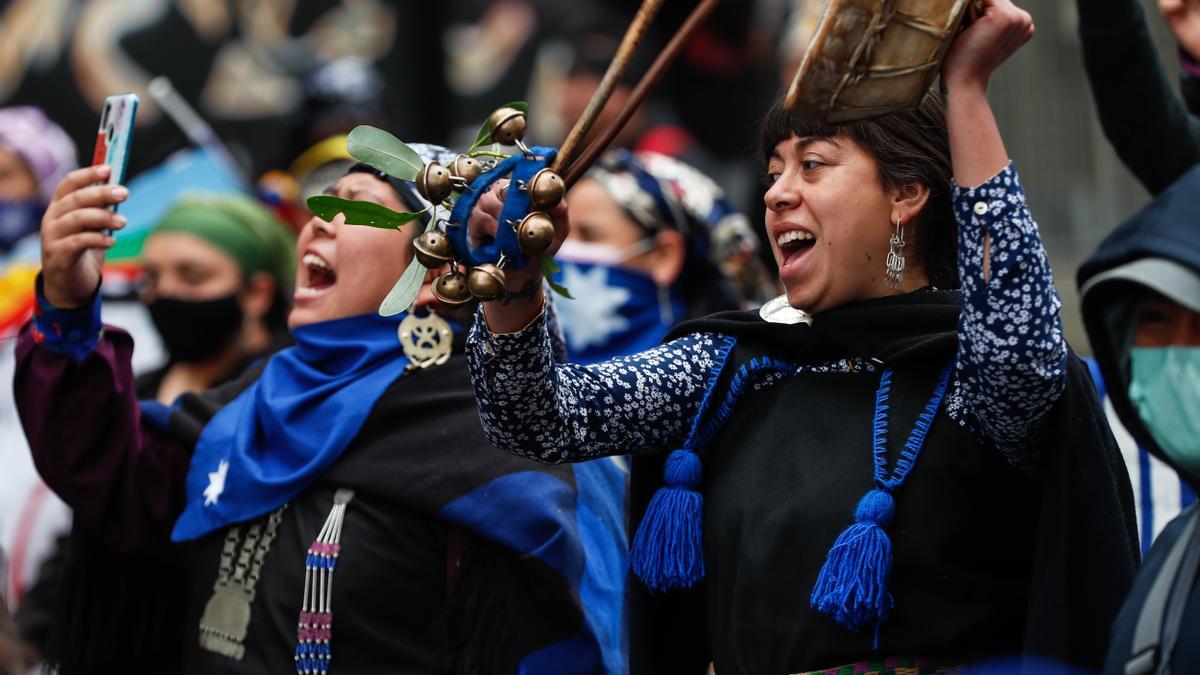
{"type": "Point", "coordinates": [723, 351]}
{"type": "Point", "coordinates": [737, 387]}
{"type": "Point", "coordinates": [73, 332]}
{"type": "Point", "coordinates": [912, 446]}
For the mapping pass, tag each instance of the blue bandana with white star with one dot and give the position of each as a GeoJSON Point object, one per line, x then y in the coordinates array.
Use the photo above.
{"type": "Point", "coordinates": [615, 311]}
{"type": "Point", "coordinates": [281, 433]}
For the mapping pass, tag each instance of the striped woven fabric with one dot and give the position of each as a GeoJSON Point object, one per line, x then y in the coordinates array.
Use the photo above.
{"type": "Point", "coordinates": [893, 666]}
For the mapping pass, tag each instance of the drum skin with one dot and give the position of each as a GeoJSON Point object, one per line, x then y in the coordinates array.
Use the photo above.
{"type": "Point", "coordinates": [871, 57]}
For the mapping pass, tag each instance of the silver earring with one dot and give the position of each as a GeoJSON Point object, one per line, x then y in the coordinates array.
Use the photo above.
{"type": "Point", "coordinates": [894, 277]}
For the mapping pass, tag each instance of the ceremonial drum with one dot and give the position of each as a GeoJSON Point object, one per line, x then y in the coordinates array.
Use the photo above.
{"type": "Point", "coordinates": [870, 57]}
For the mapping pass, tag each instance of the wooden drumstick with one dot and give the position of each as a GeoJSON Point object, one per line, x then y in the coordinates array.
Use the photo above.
{"type": "Point", "coordinates": [633, 35]}
{"type": "Point", "coordinates": [641, 91]}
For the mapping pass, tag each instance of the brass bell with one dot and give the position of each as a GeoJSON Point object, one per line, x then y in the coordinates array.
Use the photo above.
{"type": "Point", "coordinates": [535, 233]}
{"type": "Point", "coordinates": [486, 282]}
{"type": "Point", "coordinates": [507, 125]}
{"type": "Point", "coordinates": [433, 183]}
{"type": "Point", "coordinates": [433, 249]}
{"type": "Point", "coordinates": [451, 289]}
{"type": "Point", "coordinates": [466, 168]}
{"type": "Point", "coordinates": [546, 189]}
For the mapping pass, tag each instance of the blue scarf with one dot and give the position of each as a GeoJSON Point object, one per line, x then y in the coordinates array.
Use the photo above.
{"type": "Point", "coordinates": [614, 311]}
{"type": "Point", "coordinates": [279, 435]}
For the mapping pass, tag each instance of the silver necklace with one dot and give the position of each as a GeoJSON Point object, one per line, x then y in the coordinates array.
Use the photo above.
{"type": "Point", "coordinates": [227, 614]}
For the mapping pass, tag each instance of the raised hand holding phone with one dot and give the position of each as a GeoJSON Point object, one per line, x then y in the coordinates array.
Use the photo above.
{"type": "Point", "coordinates": [78, 223]}
{"type": "Point", "coordinates": [114, 137]}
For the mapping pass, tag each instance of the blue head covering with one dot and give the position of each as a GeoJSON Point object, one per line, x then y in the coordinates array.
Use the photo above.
{"type": "Point", "coordinates": [660, 192]}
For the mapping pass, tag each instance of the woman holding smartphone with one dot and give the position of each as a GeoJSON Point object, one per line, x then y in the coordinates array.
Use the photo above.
{"type": "Point", "coordinates": [350, 457]}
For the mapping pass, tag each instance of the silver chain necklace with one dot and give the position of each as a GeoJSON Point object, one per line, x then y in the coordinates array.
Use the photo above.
{"type": "Point", "coordinates": [227, 614]}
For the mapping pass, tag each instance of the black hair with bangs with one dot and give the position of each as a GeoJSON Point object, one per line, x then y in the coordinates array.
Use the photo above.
{"type": "Point", "coordinates": [909, 147]}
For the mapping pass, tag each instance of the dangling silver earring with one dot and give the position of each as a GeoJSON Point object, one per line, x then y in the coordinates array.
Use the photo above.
{"type": "Point", "coordinates": [894, 277]}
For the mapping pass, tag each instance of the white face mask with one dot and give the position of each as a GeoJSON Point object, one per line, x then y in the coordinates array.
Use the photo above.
{"type": "Point", "coordinates": [604, 254]}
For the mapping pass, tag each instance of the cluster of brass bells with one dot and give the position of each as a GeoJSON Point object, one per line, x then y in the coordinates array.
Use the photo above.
{"type": "Point", "coordinates": [435, 182]}
{"type": "Point", "coordinates": [483, 282]}
{"type": "Point", "coordinates": [535, 232]}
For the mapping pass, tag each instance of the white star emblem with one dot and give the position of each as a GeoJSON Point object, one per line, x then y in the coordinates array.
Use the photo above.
{"type": "Point", "coordinates": [593, 315]}
{"type": "Point", "coordinates": [216, 483]}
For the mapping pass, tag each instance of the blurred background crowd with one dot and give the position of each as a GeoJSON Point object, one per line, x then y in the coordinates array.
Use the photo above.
{"type": "Point", "coordinates": [247, 99]}
{"type": "Point", "coordinates": [274, 78]}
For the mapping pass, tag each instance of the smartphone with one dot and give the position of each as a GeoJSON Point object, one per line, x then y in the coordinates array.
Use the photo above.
{"type": "Point", "coordinates": [114, 136]}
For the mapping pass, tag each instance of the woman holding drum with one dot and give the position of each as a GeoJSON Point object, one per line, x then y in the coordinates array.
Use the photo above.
{"type": "Point", "coordinates": [898, 462]}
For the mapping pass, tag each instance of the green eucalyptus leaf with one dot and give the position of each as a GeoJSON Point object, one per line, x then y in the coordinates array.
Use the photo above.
{"type": "Point", "coordinates": [405, 291]}
{"type": "Point", "coordinates": [384, 151]}
{"type": "Point", "coordinates": [549, 267]}
{"type": "Point", "coordinates": [484, 136]}
{"type": "Point", "coordinates": [326, 207]}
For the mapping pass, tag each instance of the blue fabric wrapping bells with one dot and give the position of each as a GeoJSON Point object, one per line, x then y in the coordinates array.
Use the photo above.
{"type": "Point", "coordinates": [516, 206]}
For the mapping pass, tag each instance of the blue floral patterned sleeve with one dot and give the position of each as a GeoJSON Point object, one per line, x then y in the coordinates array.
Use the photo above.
{"type": "Point", "coordinates": [1010, 364]}
{"type": "Point", "coordinates": [1012, 356]}
{"type": "Point", "coordinates": [554, 412]}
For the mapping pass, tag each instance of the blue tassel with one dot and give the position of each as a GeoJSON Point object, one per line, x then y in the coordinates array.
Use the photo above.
{"type": "Point", "coordinates": [852, 587]}
{"type": "Point", "coordinates": [668, 549]}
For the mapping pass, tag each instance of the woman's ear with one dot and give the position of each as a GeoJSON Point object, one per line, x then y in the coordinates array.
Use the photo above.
{"type": "Point", "coordinates": [258, 296]}
{"type": "Point", "coordinates": [908, 201]}
{"type": "Point", "coordinates": [667, 258]}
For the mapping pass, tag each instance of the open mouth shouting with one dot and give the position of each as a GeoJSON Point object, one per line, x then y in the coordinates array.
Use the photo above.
{"type": "Point", "coordinates": [794, 246]}
{"type": "Point", "coordinates": [314, 278]}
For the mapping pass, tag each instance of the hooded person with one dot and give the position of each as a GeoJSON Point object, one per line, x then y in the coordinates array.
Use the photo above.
{"type": "Point", "coordinates": [1141, 307]}
{"type": "Point", "coordinates": [354, 456]}
{"type": "Point", "coordinates": [656, 242]}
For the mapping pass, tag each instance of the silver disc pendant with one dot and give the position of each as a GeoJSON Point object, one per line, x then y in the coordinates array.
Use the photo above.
{"type": "Point", "coordinates": [426, 339]}
{"type": "Point", "coordinates": [225, 620]}
{"type": "Point", "coordinates": [777, 310]}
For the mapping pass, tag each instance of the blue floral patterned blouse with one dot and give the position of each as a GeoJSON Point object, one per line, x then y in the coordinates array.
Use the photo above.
{"type": "Point", "coordinates": [1010, 366]}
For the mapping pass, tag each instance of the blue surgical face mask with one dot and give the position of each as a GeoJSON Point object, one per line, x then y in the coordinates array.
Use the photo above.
{"type": "Point", "coordinates": [615, 310]}
{"type": "Point", "coordinates": [18, 219]}
{"type": "Point", "coordinates": [1165, 390]}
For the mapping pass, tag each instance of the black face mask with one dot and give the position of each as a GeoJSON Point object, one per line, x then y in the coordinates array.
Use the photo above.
{"type": "Point", "coordinates": [196, 330]}
{"type": "Point", "coordinates": [18, 220]}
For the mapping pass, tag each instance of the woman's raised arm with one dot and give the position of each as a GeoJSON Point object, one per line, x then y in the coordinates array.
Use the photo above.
{"type": "Point", "coordinates": [74, 384]}
{"type": "Point", "coordinates": [1012, 357]}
